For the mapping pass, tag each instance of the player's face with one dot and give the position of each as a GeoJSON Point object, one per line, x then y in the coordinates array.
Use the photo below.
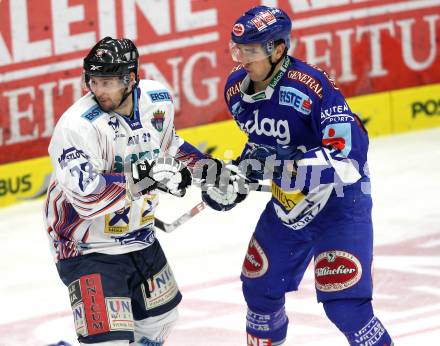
{"type": "Point", "coordinates": [108, 91]}
{"type": "Point", "coordinates": [247, 53]}
{"type": "Point", "coordinates": [257, 70]}
{"type": "Point", "coordinates": [253, 57]}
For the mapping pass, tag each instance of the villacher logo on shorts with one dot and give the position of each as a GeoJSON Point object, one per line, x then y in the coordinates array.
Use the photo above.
{"type": "Point", "coordinates": [336, 270]}
{"type": "Point", "coordinates": [255, 263]}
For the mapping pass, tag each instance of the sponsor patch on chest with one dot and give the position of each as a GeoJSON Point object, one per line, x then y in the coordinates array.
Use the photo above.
{"type": "Point", "coordinates": [294, 98]}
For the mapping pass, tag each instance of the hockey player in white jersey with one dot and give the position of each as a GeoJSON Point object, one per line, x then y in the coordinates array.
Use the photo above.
{"type": "Point", "coordinates": [112, 151]}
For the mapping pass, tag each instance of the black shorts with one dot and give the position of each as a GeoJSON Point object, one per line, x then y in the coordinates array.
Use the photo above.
{"type": "Point", "coordinates": [108, 292]}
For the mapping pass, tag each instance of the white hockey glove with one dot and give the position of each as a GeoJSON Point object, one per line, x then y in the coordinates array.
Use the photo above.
{"type": "Point", "coordinates": [164, 173]}
{"type": "Point", "coordinates": [230, 187]}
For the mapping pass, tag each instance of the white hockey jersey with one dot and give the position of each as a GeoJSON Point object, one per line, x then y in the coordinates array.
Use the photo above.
{"type": "Point", "coordinates": [87, 206]}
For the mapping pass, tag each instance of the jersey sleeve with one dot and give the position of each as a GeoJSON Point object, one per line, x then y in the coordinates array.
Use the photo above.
{"type": "Point", "coordinates": [78, 158]}
{"type": "Point", "coordinates": [344, 140]}
{"type": "Point", "coordinates": [174, 145]}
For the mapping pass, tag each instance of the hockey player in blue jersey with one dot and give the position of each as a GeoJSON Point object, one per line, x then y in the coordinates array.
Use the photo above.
{"type": "Point", "coordinates": [303, 135]}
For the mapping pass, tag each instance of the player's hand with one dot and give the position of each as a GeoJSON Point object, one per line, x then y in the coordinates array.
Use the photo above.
{"type": "Point", "coordinates": [164, 173]}
{"type": "Point", "coordinates": [230, 187]}
{"type": "Point", "coordinates": [283, 154]}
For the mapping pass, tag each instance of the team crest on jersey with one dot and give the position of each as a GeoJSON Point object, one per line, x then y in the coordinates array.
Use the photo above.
{"type": "Point", "coordinates": [158, 119]}
{"type": "Point", "coordinates": [114, 123]}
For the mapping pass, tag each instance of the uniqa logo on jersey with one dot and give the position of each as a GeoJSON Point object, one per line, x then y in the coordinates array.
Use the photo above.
{"type": "Point", "coordinates": [268, 127]}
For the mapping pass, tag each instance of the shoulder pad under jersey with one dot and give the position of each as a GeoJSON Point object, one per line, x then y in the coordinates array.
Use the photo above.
{"type": "Point", "coordinates": [232, 86]}
{"type": "Point", "coordinates": [83, 112]}
{"type": "Point", "coordinates": [312, 76]}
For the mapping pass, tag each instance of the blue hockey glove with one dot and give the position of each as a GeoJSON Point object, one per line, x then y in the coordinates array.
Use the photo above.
{"type": "Point", "coordinates": [266, 155]}
{"type": "Point", "coordinates": [164, 173]}
{"type": "Point", "coordinates": [230, 188]}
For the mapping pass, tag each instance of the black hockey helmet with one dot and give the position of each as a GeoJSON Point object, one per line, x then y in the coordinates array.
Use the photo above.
{"type": "Point", "coordinates": [112, 57]}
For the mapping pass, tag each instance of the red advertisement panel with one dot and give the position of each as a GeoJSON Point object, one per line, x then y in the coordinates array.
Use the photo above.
{"type": "Point", "coordinates": [367, 45]}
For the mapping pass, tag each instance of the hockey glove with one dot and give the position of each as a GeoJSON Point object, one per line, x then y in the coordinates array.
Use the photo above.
{"type": "Point", "coordinates": [230, 187]}
{"type": "Point", "coordinates": [266, 155]}
{"type": "Point", "coordinates": [165, 173]}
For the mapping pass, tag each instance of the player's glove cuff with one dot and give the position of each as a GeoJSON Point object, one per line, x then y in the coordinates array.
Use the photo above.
{"type": "Point", "coordinates": [229, 189]}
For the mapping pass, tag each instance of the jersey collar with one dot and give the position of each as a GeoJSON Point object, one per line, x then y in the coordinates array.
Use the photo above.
{"type": "Point", "coordinates": [267, 93]}
{"type": "Point", "coordinates": [134, 120]}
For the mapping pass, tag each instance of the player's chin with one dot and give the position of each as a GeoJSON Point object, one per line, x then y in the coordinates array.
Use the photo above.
{"type": "Point", "coordinates": [255, 77]}
{"type": "Point", "coordinates": [106, 106]}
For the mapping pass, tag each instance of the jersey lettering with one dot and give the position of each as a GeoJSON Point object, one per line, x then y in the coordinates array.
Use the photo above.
{"type": "Point", "coordinates": [269, 127]}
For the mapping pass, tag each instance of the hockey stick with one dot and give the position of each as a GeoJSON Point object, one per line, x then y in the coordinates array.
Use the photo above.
{"type": "Point", "coordinates": [170, 227]}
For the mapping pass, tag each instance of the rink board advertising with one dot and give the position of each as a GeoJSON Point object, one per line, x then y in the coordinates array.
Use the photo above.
{"type": "Point", "coordinates": [371, 48]}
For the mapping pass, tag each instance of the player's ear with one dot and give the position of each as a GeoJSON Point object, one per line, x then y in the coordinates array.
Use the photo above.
{"type": "Point", "coordinates": [132, 78]}
{"type": "Point", "coordinates": [279, 50]}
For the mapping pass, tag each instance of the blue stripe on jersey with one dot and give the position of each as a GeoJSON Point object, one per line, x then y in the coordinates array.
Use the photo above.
{"type": "Point", "coordinates": [160, 96]}
{"type": "Point", "coordinates": [92, 113]}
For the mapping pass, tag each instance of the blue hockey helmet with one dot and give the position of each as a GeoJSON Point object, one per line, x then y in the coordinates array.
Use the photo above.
{"type": "Point", "coordinates": [260, 25]}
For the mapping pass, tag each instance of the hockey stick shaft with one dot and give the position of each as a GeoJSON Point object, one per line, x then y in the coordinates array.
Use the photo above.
{"type": "Point", "coordinates": [170, 227]}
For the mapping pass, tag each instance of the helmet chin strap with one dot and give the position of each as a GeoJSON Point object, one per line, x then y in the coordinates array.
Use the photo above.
{"type": "Point", "coordinates": [125, 95]}
{"type": "Point", "coordinates": [273, 65]}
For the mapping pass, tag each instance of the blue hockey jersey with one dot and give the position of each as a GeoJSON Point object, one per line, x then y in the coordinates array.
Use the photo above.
{"type": "Point", "coordinates": [303, 108]}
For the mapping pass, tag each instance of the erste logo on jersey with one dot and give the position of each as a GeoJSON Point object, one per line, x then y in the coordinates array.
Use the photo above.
{"type": "Point", "coordinates": [296, 99]}
{"type": "Point", "coordinates": [92, 113]}
{"type": "Point", "coordinates": [268, 127]}
{"type": "Point", "coordinates": [336, 270]}
{"type": "Point", "coordinates": [159, 96]}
